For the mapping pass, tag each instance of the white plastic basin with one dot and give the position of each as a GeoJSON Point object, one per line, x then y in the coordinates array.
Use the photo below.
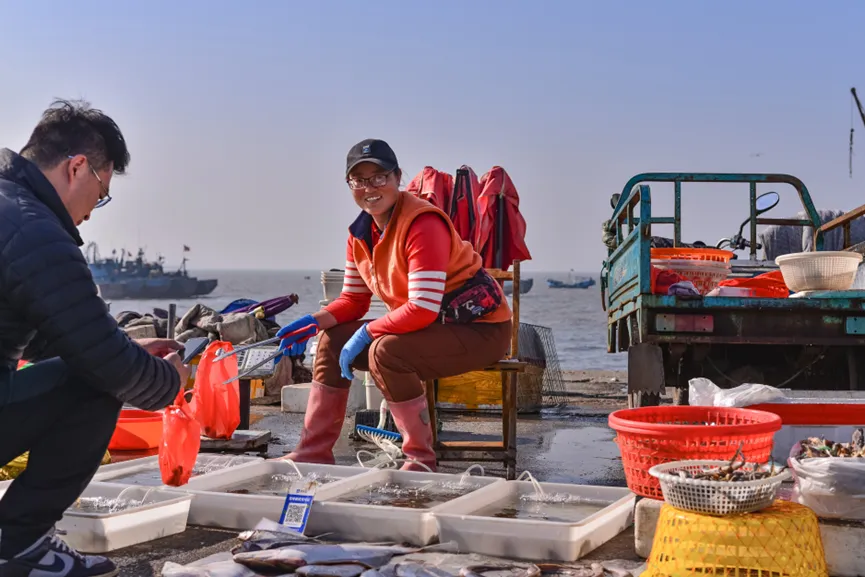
{"type": "Point", "coordinates": [212, 506]}
{"type": "Point", "coordinates": [530, 539]}
{"type": "Point", "coordinates": [165, 513]}
{"type": "Point", "coordinates": [364, 522]}
{"type": "Point", "coordinates": [145, 471]}
{"type": "Point", "coordinates": [822, 270]}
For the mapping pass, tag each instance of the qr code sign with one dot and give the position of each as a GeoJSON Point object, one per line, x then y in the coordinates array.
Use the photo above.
{"type": "Point", "coordinates": [294, 515]}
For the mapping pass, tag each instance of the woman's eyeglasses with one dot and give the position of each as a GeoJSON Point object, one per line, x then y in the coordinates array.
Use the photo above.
{"type": "Point", "coordinates": [374, 181]}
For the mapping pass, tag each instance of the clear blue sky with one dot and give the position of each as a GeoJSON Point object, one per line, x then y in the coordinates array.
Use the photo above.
{"type": "Point", "coordinates": [239, 115]}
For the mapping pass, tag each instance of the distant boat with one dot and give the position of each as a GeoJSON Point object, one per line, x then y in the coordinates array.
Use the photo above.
{"type": "Point", "coordinates": [526, 285]}
{"type": "Point", "coordinates": [122, 278]}
{"type": "Point", "coordinates": [571, 283]}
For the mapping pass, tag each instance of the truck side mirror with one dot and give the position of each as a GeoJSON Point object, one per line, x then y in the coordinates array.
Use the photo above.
{"type": "Point", "coordinates": [614, 200]}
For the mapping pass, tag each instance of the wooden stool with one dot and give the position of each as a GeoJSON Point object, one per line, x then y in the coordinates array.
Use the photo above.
{"type": "Point", "coordinates": [504, 451]}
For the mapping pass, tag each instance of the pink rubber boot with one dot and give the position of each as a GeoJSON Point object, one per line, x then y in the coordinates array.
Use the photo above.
{"type": "Point", "coordinates": [412, 420]}
{"type": "Point", "coordinates": [322, 425]}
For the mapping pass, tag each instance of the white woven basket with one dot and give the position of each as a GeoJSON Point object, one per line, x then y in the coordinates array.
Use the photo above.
{"type": "Point", "coordinates": [819, 271]}
{"type": "Point", "coordinates": [715, 497]}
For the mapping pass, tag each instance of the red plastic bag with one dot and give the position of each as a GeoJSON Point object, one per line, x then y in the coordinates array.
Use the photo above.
{"type": "Point", "coordinates": [769, 285]}
{"type": "Point", "coordinates": [181, 440]}
{"type": "Point", "coordinates": [216, 405]}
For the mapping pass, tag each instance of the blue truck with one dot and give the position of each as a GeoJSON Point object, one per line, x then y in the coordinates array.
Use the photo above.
{"type": "Point", "coordinates": [815, 343]}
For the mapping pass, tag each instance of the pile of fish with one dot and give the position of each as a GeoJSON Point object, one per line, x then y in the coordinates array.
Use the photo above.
{"type": "Point", "coordinates": [737, 470]}
{"type": "Point", "coordinates": [274, 550]}
{"type": "Point", "coordinates": [818, 447]}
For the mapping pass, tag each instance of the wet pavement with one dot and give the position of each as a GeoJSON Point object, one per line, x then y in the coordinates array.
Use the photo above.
{"type": "Point", "coordinates": [560, 448]}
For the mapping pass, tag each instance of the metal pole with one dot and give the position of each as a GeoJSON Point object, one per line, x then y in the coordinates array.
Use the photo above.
{"type": "Point", "coordinates": [172, 319]}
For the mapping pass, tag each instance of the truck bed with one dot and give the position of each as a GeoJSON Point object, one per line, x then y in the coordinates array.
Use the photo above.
{"type": "Point", "coordinates": [829, 318]}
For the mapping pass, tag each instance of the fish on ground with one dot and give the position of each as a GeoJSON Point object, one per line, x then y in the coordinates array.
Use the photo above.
{"type": "Point", "coordinates": [219, 569]}
{"type": "Point", "coordinates": [386, 571]}
{"type": "Point", "coordinates": [529, 570]}
{"type": "Point", "coordinates": [419, 569]}
{"type": "Point", "coordinates": [348, 570]}
{"type": "Point", "coordinates": [268, 534]}
{"type": "Point", "coordinates": [288, 559]}
{"type": "Point", "coordinates": [262, 540]}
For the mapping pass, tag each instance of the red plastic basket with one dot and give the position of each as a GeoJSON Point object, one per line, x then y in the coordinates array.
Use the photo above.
{"type": "Point", "coordinates": [653, 435]}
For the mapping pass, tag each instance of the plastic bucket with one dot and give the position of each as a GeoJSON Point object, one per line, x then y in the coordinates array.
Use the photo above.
{"type": "Point", "coordinates": [136, 431]}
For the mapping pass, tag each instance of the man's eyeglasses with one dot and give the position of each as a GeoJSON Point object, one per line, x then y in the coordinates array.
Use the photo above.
{"type": "Point", "coordinates": [104, 198]}
{"type": "Point", "coordinates": [374, 181]}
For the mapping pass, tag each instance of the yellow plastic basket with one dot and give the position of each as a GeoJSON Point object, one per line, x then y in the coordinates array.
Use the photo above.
{"type": "Point", "coordinates": [782, 540]}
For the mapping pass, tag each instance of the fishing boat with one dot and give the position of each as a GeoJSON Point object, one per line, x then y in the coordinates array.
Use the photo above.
{"type": "Point", "coordinates": [526, 285]}
{"type": "Point", "coordinates": [136, 278]}
{"type": "Point", "coordinates": [571, 283]}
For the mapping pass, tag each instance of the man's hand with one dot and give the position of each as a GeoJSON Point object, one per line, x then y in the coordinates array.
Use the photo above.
{"type": "Point", "coordinates": [182, 369]}
{"type": "Point", "coordinates": [159, 347]}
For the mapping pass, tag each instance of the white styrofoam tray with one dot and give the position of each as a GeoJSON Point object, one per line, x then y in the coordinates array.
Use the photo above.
{"type": "Point", "coordinates": [212, 507]}
{"type": "Point", "coordinates": [111, 472]}
{"type": "Point", "coordinates": [164, 514]}
{"type": "Point", "coordinates": [359, 522]}
{"type": "Point", "coordinates": [535, 540]}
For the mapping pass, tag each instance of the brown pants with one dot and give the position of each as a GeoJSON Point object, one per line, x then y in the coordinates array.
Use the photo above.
{"type": "Point", "coordinates": [399, 363]}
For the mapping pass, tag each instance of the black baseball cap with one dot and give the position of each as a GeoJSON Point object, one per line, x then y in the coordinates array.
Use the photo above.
{"type": "Point", "coordinates": [371, 150]}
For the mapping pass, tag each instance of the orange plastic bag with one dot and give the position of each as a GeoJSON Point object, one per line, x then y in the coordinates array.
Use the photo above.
{"type": "Point", "coordinates": [181, 440]}
{"type": "Point", "coordinates": [216, 405]}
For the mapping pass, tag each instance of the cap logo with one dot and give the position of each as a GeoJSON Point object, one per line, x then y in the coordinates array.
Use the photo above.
{"type": "Point", "coordinates": [365, 149]}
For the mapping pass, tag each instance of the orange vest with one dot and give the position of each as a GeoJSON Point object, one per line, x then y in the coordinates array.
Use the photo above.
{"type": "Point", "coordinates": [384, 269]}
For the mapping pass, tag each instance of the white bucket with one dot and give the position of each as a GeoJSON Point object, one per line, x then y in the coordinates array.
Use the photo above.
{"type": "Point", "coordinates": [373, 394]}
{"type": "Point", "coordinates": [331, 282]}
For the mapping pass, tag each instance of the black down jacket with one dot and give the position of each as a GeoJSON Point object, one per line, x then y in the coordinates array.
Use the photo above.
{"type": "Point", "coordinates": [47, 295]}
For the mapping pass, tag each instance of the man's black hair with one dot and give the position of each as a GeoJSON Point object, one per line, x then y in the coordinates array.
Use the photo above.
{"type": "Point", "coordinates": [68, 128]}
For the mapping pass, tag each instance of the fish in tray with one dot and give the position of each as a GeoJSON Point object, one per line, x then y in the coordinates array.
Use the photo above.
{"type": "Point", "coordinates": [289, 559]}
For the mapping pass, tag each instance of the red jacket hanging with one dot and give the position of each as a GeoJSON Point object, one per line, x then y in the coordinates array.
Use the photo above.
{"type": "Point", "coordinates": [463, 210]}
{"type": "Point", "coordinates": [433, 185]}
{"type": "Point", "coordinates": [500, 241]}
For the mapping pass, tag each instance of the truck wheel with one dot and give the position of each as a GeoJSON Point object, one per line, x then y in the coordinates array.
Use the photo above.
{"type": "Point", "coordinates": [643, 399]}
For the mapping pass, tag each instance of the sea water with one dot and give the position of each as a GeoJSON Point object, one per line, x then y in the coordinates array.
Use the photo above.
{"type": "Point", "coordinates": [410, 495]}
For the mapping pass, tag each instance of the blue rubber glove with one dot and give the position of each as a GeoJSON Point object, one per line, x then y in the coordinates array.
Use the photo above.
{"type": "Point", "coordinates": [288, 346]}
{"type": "Point", "coordinates": [297, 349]}
{"type": "Point", "coordinates": [358, 342]}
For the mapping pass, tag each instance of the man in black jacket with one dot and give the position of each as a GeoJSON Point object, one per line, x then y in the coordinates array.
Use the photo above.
{"type": "Point", "coordinates": [62, 410]}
